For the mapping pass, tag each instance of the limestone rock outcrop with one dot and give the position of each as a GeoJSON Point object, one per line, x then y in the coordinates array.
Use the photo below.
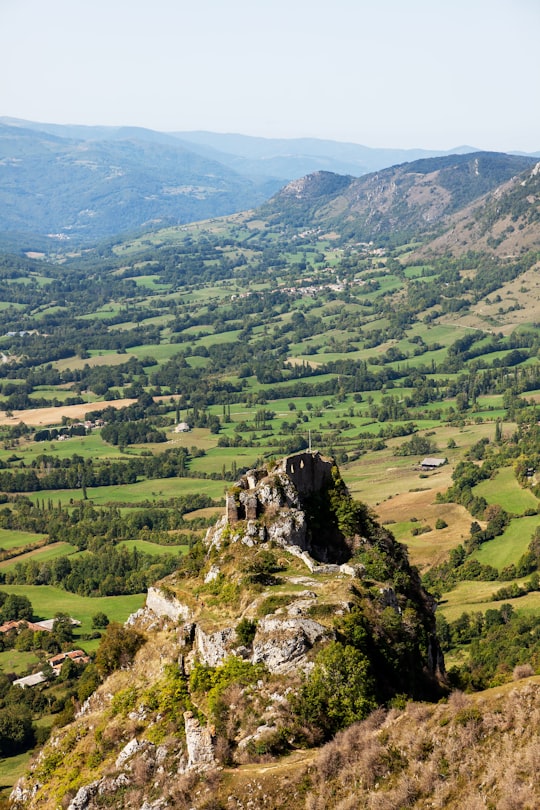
{"type": "Point", "coordinates": [199, 743]}
{"type": "Point", "coordinates": [272, 505]}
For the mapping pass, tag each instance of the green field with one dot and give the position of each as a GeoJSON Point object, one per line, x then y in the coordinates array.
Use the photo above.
{"type": "Point", "coordinates": [471, 597]}
{"type": "Point", "coordinates": [43, 554]}
{"type": "Point", "coordinates": [153, 548]}
{"type": "Point", "coordinates": [10, 539]}
{"type": "Point", "coordinates": [150, 490]}
{"type": "Point", "coordinates": [16, 661]}
{"type": "Point", "coordinates": [48, 600]}
{"type": "Point", "coordinates": [503, 489]}
{"type": "Point", "coordinates": [508, 547]}
{"type": "Point", "coordinates": [11, 769]}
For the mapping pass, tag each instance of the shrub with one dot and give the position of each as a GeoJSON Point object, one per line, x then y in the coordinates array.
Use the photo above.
{"type": "Point", "coordinates": [339, 690]}
{"type": "Point", "coordinates": [522, 671]}
{"type": "Point", "coordinates": [100, 620]}
{"type": "Point", "coordinates": [261, 568]}
{"type": "Point", "coordinates": [441, 524]}
{"type": "Point", "coordinates": [117, 648]}
{"type": "Point", "coordinates": [273, 603]}
{"type": "Point", "coordinates": [245, 631]}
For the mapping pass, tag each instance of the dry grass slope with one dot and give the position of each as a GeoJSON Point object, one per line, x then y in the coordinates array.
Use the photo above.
{"type": "Point", "coordinates": [473, 752]}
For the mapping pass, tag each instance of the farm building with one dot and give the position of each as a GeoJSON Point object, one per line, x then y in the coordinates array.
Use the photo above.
{"type": "Point", "coordinates": [22, 624]}
{"type": "Point", "coordinates": [432, 463]}
{"type": "Point", "coordinates": [78, 656]}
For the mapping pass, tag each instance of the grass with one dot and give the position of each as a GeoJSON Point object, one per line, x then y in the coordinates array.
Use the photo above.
{"type": "Point", "coordinates": [39, 555]}
{"type": "Point", "coordinates": [153, 548]}
{"type": "Point", "coordinates": [90, 446]}
{"type": "Point", "coordinates": [504, 490]}
{"type": "Point", "coordinates": [101, 358]}
{"type": "Point", "coordinates": [471, 597]}
{"type": "Point", "coordinates": [11, 769]}
{"type": "Point", "coordinates": [509, 546]}
{"type": "Point", "coordinates": [160, 353]}
{"type": "Point", "coordinates": [47, 600]}
{"type": "Point", "coordinates": [18, 662]}
{"type": "Point", "coordinates": [150, 282]}
{"type": "Point", "coordinates": [151, 490]}
{"type": "Point", "coordinates": [10, 538]}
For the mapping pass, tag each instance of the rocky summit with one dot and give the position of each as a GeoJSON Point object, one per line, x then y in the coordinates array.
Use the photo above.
{"type": "Point", "coordinates": [298, 616]}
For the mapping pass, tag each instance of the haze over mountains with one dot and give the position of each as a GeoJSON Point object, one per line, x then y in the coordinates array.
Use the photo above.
{"type": "Point", "coordinates": [90, 183]}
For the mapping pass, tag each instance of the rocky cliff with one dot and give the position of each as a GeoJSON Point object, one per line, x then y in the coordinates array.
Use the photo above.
{"type": "Point", "coordinates": [298, 616]}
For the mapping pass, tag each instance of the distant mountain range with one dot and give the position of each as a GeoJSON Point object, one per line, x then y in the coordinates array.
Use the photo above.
{"type": "Point", "coordinates": [89, 183]}
{"type": "Point", "coordinates": [92, 188]}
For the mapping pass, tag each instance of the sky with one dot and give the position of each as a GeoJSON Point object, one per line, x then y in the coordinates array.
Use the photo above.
{"type": "Point", "coordinates": [430, 74]}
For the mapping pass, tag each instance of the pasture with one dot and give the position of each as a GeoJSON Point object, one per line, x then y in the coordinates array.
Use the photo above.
{"type": "Point", "coordinates": [47, 600]}
{"type": "Point", "coordinates": [503, 489]}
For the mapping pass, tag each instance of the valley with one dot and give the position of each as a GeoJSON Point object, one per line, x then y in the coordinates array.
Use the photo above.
{"type": "Point", "coordinates": [141, 378]}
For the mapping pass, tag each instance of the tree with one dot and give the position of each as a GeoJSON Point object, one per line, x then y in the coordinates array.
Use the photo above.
{"type": "Point", "coordinates": [25, 640]}
{"type": "Point", "coordinates": [88, 682]}
{"type": "Point", "coordinates": [100, 620]}
{"type": "Point", "coordinates": [16, 607]}
{"type": "Point", "coordinates": [117, 648]}
{"type": "Point", "coordinates": [16, 729]}
{"type": "Point", "coordinates": [63, 628]}
{"type": "Point", "coordinates": [69, 670]}
{"type": "Point", "coordinates": [339, 691]}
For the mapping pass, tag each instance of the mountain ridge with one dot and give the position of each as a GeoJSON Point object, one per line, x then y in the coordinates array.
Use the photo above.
{"type": "Point", "coordinates": [410, 199]}
{"type": "Point", "coordinates": [98, 182]}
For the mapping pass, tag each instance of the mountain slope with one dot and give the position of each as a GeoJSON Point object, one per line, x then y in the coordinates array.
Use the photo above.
{"type": "Point", "coordinates": [505, 221]}
{"type": "Point", "coordinates": [92, 189]}
{"type": "Point", "coordinates": [410, 199]}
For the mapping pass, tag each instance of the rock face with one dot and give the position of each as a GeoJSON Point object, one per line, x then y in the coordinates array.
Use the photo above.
{"type": "Point", "coordinates": [165, 604]}
{"type": "Point", "coordinates": [281, 644]}
{"type": "Point", "coordinates": [213, 648]}
{"type": "Point", "coordinates": [199, 744]}
{"type": "Point", "coordinates": [272, 505]}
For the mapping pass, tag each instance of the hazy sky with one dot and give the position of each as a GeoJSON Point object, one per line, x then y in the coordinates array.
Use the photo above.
{"type": "Point", "coordinates": [401, 73]}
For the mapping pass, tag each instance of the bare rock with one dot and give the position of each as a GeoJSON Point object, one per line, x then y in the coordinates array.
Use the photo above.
{"type": "Point", "coordinates": [282, 644]}
{"type": "Point", "coordinates": [133, 747]}
{"type": "Point", "coordinates": [199, 744]}
{"type": "Point", "coordinates": [83, 797]}
{"type": "Point", "coordinates": [165, 604]}
{"type": "Point", "coordinates": [212, 574]}
{"type": "Point", "coordinates": [289, 529]}
{"type": "Point", "coordinates": [213, 648]}
{"type": "Point", "coordinates": [301, 606]}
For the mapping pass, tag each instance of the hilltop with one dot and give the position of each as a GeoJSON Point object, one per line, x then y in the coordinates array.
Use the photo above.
{"type": "Point", "coordinates": [298, 616]}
